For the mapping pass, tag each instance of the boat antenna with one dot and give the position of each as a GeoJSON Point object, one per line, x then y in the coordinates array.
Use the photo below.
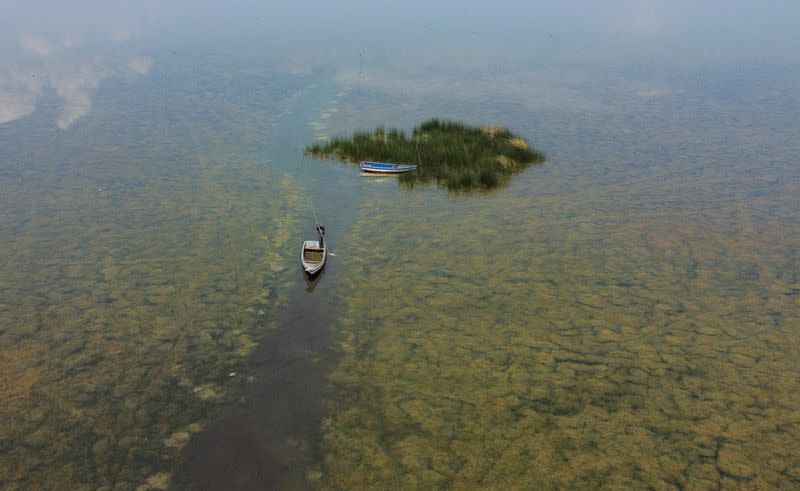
{"type": "Point", "coordinates": [320, 228]}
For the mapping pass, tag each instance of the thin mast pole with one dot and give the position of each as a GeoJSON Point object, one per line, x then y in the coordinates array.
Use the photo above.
{"type": "Point", "coordinates": [315, 215]}
{"type": "Point", "coordinates": [319, 228]}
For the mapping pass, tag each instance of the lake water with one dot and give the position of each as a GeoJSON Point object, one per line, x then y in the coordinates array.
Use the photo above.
{"type": "Point", "coordinates": [624, 315]}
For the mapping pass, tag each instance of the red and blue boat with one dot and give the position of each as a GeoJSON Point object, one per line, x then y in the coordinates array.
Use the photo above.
{"type": "Point", "coordinates": [383, 168]}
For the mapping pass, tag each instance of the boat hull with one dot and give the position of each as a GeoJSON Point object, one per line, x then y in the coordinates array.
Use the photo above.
{"type": "Point", "coordinates": [312, 256]}
{"type": "Point", "coordinates": [382, 168]}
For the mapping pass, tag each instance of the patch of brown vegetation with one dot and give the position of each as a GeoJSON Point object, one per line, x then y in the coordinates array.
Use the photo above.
{"type": "Point", "coordinates": [518, 142]}
{"type": "Point", "coordinates": [491, 131]}
{"type": "Point", "coordinates": [507, 162]}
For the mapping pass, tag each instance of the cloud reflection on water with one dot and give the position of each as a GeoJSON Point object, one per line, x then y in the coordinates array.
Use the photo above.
{"type": "Point", "coordinates": [69, 66]}
{"type": "Point", "coordinates": [449, 48]}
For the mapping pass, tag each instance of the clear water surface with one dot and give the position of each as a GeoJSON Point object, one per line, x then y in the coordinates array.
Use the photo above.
{"type": "Point", "coordinates": [625, 315]}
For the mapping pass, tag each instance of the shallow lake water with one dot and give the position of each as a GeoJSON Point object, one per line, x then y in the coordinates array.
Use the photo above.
{"type": "Point", "coordinates": [624, 315]}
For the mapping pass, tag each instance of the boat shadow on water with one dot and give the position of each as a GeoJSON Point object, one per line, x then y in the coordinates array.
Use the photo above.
{"type": "Point", "coordinates": [312, 281]}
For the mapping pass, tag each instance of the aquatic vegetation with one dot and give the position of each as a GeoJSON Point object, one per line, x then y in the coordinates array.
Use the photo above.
{"type": "Point", "coordinates": [134, 278]}
{"type": "Point", "coordinates": [454, 155]}
{"type": "Point", "coordinates": [591, 360]}
{"type": "Point", "coordinates": [624, 324]}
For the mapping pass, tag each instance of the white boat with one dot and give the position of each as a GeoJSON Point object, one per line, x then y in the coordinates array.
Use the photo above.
{"type": "Point", "coordinates": [313, 256]}
{"type": "Point", "coordinates": [383, 168]}
{"type": "Point", "coordinates": [314, 252]}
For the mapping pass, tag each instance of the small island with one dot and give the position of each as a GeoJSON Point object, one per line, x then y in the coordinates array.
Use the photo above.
{"type": "Point", "coordinates": [454, 155]}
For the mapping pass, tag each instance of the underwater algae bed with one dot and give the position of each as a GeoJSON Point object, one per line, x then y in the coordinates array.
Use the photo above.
{"type": "Point", "coordinates": [135, 276]}
{"type": "Point", "coordinates": [577, 349]}
{"type": "Point", "coordinates": [545, 335]}
{"type": "Point", "coordinates": [120, 343]}
{"type": "Point", "coordinates": [454, 155]}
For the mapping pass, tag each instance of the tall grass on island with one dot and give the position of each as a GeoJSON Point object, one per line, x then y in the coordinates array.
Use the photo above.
{"type": "Point", "coordinates": [455, 155]}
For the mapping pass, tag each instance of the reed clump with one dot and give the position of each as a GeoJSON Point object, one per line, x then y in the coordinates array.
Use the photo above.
{"type": "Point", "coordinates": [455, 155]}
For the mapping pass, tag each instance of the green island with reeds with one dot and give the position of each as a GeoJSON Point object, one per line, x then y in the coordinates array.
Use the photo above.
{"type": "Point", "coordinates": [455, 155]}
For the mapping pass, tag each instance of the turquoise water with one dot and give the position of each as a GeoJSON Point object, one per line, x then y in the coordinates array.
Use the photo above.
{"type": "Point", "coordinates": [622, 316]}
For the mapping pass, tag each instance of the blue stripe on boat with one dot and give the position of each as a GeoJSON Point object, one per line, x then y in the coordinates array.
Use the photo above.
{"type": "Point", "coordinates": [383, 165]}
{"type": "Point", "coordinates": [380, 164]}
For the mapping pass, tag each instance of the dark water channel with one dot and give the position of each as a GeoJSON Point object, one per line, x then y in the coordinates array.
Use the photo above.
{"type": "Point", "coordinates": [270, 438]}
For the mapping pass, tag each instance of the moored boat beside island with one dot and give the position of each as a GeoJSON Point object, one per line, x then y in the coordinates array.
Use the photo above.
{"type": "Point", "coordinates": [385, 168]}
